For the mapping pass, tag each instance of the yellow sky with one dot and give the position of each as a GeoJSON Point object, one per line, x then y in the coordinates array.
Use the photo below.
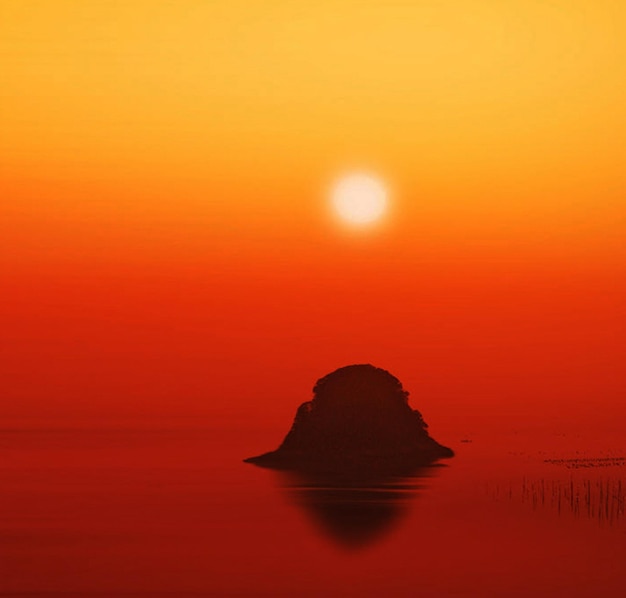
{"type": "Point", "coordinates": [479, 113]}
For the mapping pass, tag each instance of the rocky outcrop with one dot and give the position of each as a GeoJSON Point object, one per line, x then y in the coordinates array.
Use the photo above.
{"type": "Point", "coordinates": [359, 422]}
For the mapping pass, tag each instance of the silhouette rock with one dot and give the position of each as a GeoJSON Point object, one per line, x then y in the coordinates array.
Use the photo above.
{"type": "Point", "coordinates": [358, 422]}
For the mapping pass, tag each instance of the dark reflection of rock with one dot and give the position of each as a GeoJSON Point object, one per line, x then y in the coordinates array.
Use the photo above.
{"type": "Point", "coordinates": [359, 422]}
{"type": "Point", "coordinates": [354, 512]}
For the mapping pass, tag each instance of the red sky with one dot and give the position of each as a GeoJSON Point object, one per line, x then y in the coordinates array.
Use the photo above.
{"type": "Point", "coordinates": [166, 244]}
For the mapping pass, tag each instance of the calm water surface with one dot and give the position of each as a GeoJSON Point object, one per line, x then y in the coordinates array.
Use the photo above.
{"type": "Point", "coordinates": [147, 510]}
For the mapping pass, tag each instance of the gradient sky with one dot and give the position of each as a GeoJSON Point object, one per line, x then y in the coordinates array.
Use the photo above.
{"type": "Point", "coordinates": [166, 244]}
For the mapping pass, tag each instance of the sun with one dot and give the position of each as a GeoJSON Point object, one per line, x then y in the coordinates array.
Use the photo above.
{"type": "Point", "coordinates": [359, 198]}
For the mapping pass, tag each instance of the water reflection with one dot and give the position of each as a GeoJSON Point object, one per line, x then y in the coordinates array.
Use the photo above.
{"type": "Point", "coordinates": [355, 511]}
{"type": "Point", "coordinates": [602, 500]}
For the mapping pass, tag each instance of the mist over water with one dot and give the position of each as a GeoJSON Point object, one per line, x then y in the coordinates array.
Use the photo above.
{"type": "Point", "coordinates": [143, 508]}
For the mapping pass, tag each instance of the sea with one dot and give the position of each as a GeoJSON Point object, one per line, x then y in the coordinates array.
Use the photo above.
{"type": "Point", "coordinates": [169, 508]}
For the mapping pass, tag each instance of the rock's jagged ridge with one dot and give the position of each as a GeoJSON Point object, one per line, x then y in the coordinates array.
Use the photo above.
{"type": "Point", "coordinates": [359, 420]}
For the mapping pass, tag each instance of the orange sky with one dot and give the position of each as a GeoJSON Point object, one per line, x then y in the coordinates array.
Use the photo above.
{"type": "Point", "coordinates": [165, 239]}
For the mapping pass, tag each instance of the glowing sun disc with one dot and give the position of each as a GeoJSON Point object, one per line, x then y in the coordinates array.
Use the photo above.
{"type": "Point", "coordinates": [359, 198]}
